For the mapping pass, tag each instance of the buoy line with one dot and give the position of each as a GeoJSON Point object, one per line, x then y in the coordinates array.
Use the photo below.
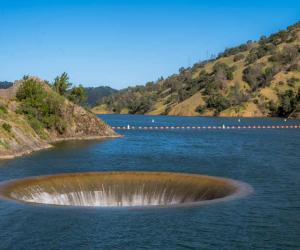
{"type": "Point", "coordinates": [224, 127]}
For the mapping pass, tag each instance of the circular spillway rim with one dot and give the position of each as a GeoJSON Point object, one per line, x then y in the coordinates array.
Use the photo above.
{"type": "Point", "coordinates": [242, 189]}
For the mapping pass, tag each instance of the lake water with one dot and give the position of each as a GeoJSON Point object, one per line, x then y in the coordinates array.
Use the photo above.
{"type": "Point", "coordinates": [268, 160]}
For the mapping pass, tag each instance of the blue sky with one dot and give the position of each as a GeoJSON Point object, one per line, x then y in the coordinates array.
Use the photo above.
{"type": "Point", "coordinates": [121, 43]}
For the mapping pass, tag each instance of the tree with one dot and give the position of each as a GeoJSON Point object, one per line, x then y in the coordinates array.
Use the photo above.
{"type": "Point", "coordinates": [61, 84]}
{"type": "Point", "coordinates": [78, 95]}
{"type": "Point", "coordinates": [218, 102]}
{"type": "Point", "coordinates": [288, 55]}
{"type": "Point", "coordinates": [223, 71]}
{"type": "Point", "coordinates": [30, 89]}
{"type": "Point", "coordinates": [288, 103]}
{"type": "Point", "coordinates": [181, 70]}
{"type": "Point", "coordinates": [238, 57]}
{"type": "Point", "coordinates": [41, 107]}
{"type": "Point", "coordinates": [257, 77]}
{"type": "Point", "coordinates": [237, 95]}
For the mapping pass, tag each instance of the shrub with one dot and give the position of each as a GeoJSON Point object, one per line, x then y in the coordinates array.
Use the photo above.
{"type": "Point", "coordinates": [3, 109]}
{"type": "Point", "coordinates": [200, 109]}
{"type": "Point", "coordinates": [288, 102]}
{"type": "Point", "coordinates": [78, 95]}
{"type": "Point", "coordinates": [6, 127]}
{"type": "Point", "coordinates": [61, 84]}
{"type": "Point", "coordinates": [251, 58]}
{"type": "Point", "coordinates": [37, 126]}
{"type": "Point", "coordinates": [224, 70]}
{"type": "Point", "coordinates": [234, 50]}
{"type": "Point", "coordinates": [167, 110]}
{"type": "Point", "coordinates": [269, 73]}
{"type": "Point", "coordinates": [257, 77]}
{"type": "Point", "coordinates": [30, 89]}
{"type": "Point", "coordinates": [140, 105]}
{"type": "Point", "coordinates": [278, 38]}
{"type": "Point", "coordinates": [237, 95]}
{"type": "Point", "coordinates": [259, 52]}
{"type": "Point", "coordinates": [288, 55]}
{"type": "Point", "coordinates": [272, 107]}
{"type": "Point", "coordinates": [291, 82]}
{"type": "Point", "coordinates": [253, 75]}
{"type": "Point", "coordinates": [41, 107]}
{"type": "Point", "coordinates": [238, 57]}
{"type": "Point", "coordinates": [218, 102]}
{"type": "Point", "coordinates": [212, 87]}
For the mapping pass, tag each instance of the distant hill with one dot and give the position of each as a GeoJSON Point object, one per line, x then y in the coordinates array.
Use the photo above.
{"type": "Point", "coordinates": [256, 79]}
{"type": "Point", "coordinates": [5, 84]}
{"type": "Point", "coordinates": [96, 94]}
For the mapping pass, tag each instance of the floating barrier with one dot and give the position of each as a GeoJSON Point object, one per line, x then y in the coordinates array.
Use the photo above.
{"type": "Point", "coordinates": [128, 127]}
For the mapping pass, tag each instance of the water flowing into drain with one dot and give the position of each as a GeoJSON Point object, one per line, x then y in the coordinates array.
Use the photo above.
{"type": "Point", "coordinates": [126, 189]}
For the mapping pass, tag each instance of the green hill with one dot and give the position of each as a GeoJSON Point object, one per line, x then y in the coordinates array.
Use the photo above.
{"type": "Point", "coordinates": [33, 116]}
{"type": "Point", "coordinates": [256, 79]}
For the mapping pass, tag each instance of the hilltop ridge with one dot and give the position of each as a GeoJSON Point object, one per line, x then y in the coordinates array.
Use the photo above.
{"type": "Point", "coordinates": [256, 79]}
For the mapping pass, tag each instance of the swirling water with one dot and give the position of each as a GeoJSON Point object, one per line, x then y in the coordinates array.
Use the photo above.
{"type": "Point", "coordinates": [266, 159]}
{"type": "Point", "coordinates": [124, 189]}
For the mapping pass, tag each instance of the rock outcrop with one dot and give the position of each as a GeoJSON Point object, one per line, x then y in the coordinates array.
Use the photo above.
{"type": "Point", "coordinates": [17, 137]}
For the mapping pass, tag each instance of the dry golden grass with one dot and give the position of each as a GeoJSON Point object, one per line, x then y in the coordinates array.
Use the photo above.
{"type": "Point", "coordinates": [269, 94]}
{"type": "Point", "coordinates": [159, 108]}
{"type": "Point", "coordinates": [101, 109]}
{"type": "Point", "coordinates": [187, 107]}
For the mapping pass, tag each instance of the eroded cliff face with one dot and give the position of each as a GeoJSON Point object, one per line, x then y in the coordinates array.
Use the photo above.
{"type": "Point", "coordinates": [20, 139]}
{"type": "Point", "coordinates": [81, 123]}
{"type": "Point", "coordinates": [17, 137]}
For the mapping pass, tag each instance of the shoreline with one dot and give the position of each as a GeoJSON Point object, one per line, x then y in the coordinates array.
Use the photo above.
{"type": "Point", "coordinates": [207, 116]}
{"type": "Point", "coordinates": [51, 144]}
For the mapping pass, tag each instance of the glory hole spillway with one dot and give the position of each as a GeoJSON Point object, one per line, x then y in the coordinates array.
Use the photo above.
{"type": "Point", "coordinates": [123, 189]}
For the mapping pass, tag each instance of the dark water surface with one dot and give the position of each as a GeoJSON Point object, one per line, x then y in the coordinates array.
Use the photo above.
{"type": "Point", "coordinates": [269, 218]}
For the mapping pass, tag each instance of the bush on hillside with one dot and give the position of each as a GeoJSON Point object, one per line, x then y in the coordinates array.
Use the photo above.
{"type": "Point", "coordinates": [238, 57]}
{"type": "Point", "coordinates": [259, 52]}
{"type": "Point", "coordinates": [288, 102]}
{"type": "Point", "coordinates": [222, 70]}
{"type": "Point", "coordinates": [6, 127]}
{"type": "Point", "coordinates": [218, 102]}
{"type": "Point", "coordinates": [200, 109]}
{"type": "Point", "coordinates": [234, 50]}
{"type": "Point", "coordinates": [61, 84]}
{"type": "Point", "coordinates": [257, 76]}
{"type": "Point", "coordinates": [291, 82]}
{"type": "Point", "coordinates": [78, 95]}
{"type": "Point", "coordinates": [288, 55]}
{"type": "Point", "coordinates": [41, 107]}
{"type": "Point", "coordinates": [140, 105]}
{"type": "Point", "coordinates": [3, 109]}
{"type": "Point", "coordinates": [279, 37]}
{"type": "Point", "coordinates": [237, 95]}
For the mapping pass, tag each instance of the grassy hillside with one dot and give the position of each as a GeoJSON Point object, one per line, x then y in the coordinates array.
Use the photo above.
{"type": "Point", "coordinates": [258, 78]}
{"type": "Point", "coordinates": [33, 115]}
